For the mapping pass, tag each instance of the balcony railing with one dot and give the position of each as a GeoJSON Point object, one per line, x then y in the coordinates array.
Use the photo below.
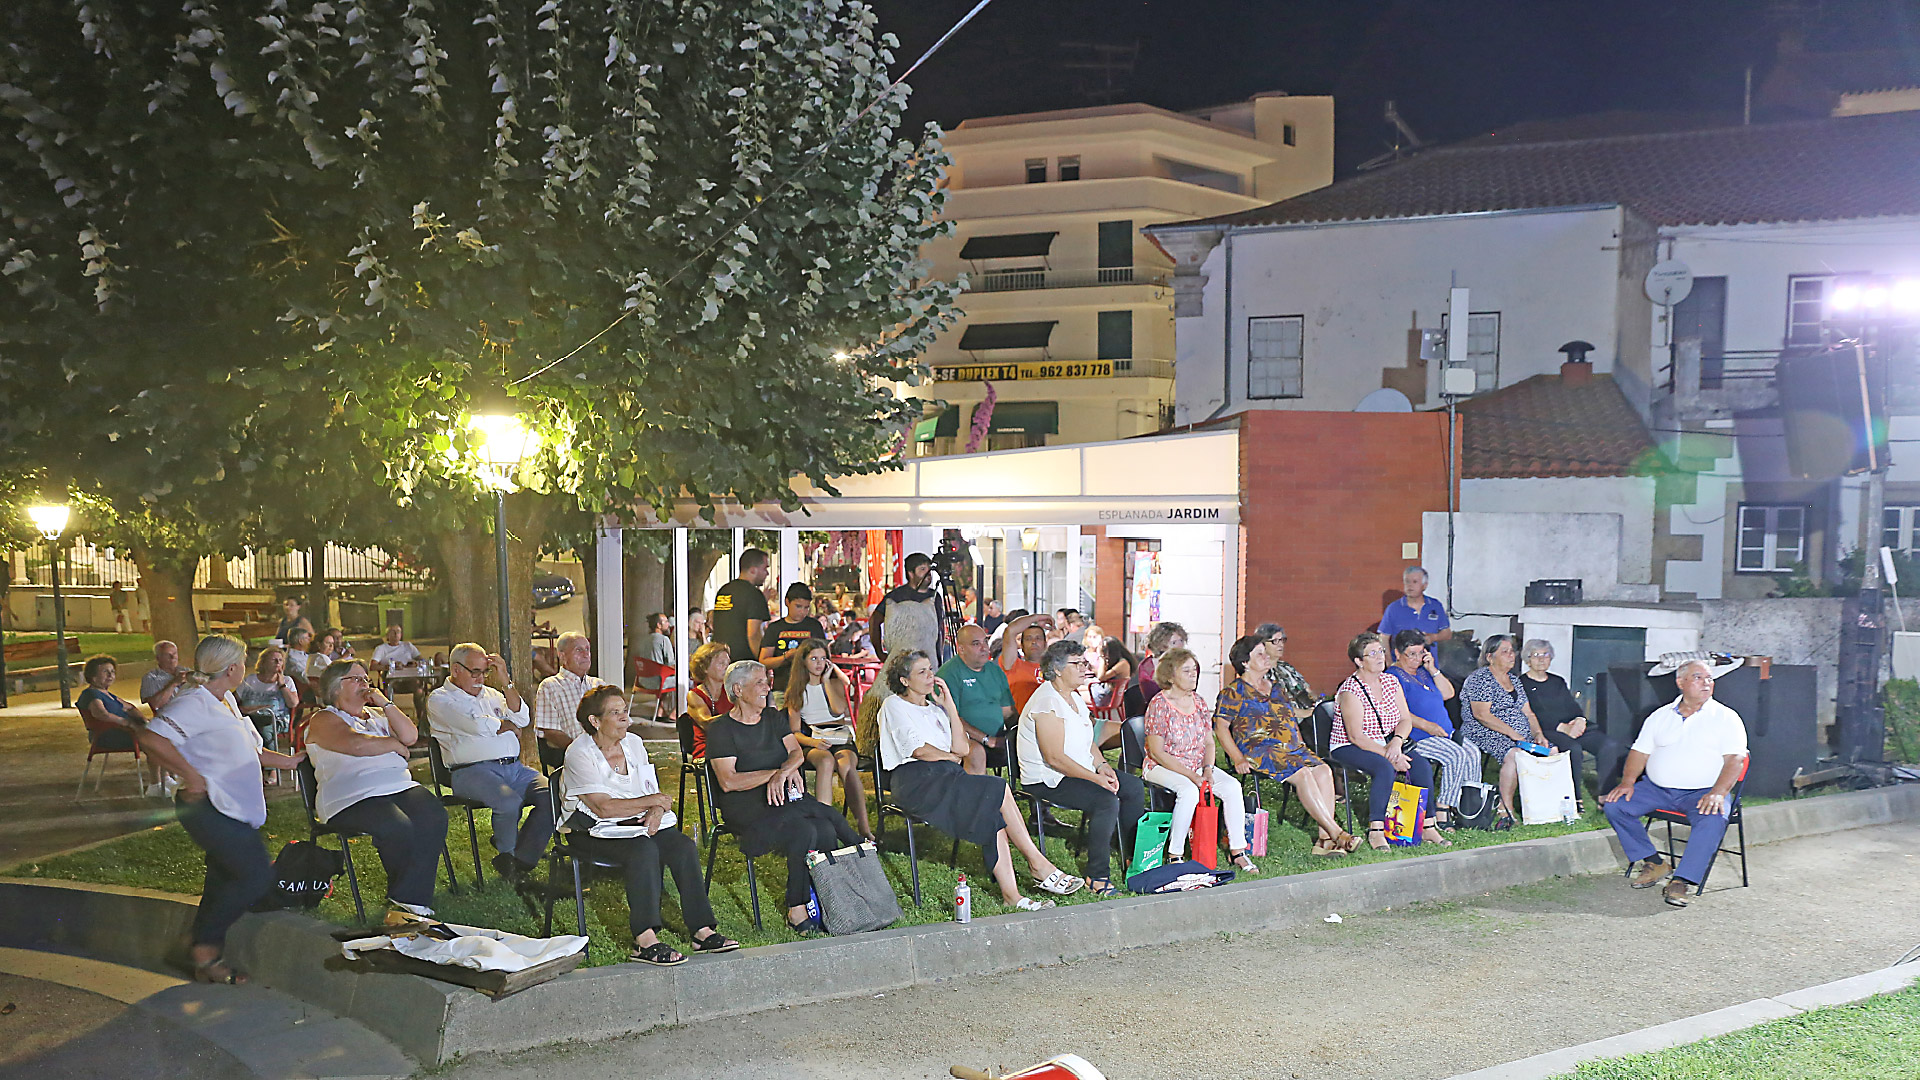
{"type": "Point", "coordinates": [1043, 278]}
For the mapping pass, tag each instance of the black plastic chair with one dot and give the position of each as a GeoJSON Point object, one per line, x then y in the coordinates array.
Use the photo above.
{"type": "Point", "coordinates": [713, 844]}
{"type": "Point", "coordinates": [552, 758]}
{"type": "Point", "coordinates": [1041, 805]}
{"type": "Point", "coordinates": [882, 785]}
{"type": "Point", "coordinates": [1736, 821]}
{"type": "Point", "coordinates": [309, 790]}
{"type": "Point", "coordinates": [443, 787]}
{"type": "Point", "coordinates": [691, 766]}
{"type": "Point", "coordinates": [564, 848]}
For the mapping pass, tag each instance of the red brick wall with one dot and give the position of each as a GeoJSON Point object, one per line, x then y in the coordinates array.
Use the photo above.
{"type": "Point", "coordinates": [1110, 583]}
{"type": "Point", "coordinates": [1326, 500]}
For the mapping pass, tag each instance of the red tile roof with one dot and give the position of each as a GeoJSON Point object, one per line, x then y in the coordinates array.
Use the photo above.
{"type": "Point", "coordinates": [1546, 426]}
{"type": "Point", "coordinates": [1813, 170]}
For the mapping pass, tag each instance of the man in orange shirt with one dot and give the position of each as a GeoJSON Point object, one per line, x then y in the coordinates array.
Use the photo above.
{"type": "Point", "coordinates": [1022, 665]}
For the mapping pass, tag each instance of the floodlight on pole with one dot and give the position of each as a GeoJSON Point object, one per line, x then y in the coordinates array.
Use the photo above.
{"type": "Point", "coordinates": [51, 519]}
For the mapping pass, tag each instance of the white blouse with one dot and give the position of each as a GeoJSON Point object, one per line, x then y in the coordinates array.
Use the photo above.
{"type": "Point", "coordinates": [222, 746]}
{"type": "Point", "coordinates": [589, 773]}
{"type": "Point", "coordinates": [1079, 735]}
{"type": "Point", "coordinates": [906, 727]}
{"type": "Point", "coordinates": [345, 779]}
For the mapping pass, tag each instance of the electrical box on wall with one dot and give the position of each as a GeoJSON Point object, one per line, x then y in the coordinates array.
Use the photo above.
{"type": "Point", "coordinates": [1457, 381]}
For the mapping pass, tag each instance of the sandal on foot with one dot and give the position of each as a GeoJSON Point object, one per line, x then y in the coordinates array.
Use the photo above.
{"type": "Point", "coordinates": [1435, 838]}
{"type": "Point", "coordinates": [217, 971]}
{"type": "Point", "coordinates": [658, 954]}
{"type": "Point", "coordinates": [715, 942]}
{"type": "Point", "coordinates": [1028, 903]}
{"type": "Point", "coordinates": [1244, 864]}
{"type": "Point", "coordinates": [1060, 883]}
{"type": "Point", "coordinates": [1102, 887]}
{"type": "Point", "coordinates": [1382, 845]}
{"type": "Point", "coordinates": [807, 927]}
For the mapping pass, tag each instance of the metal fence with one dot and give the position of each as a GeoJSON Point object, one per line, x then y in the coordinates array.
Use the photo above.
{"type": "Point", "coordinates": [85, 564]}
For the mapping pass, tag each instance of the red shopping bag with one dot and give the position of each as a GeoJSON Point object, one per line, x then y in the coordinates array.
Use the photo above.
{"type": "Point", "coordinates": [1206, 830]}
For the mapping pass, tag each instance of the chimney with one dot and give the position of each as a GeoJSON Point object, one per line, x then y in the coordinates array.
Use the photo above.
{"type": "Point", "coordinates": [1577, 370]}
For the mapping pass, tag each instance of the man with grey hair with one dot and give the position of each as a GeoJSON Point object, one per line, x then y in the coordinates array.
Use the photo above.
{"type": "Point", "coordinates": [1416, 610]}
{"type": "Point", "coordinates": [558, 698]}
{"type": "Point", "coordinates": [158, 686]}
{"type": "Point", "coordinates": [477, 728]}
{"type": "Point", "coordinates": [1693, 751]}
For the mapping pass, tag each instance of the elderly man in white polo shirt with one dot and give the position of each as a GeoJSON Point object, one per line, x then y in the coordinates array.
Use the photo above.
{"type": "Point", "coordinates": [477, 727]}
{"type": "Point", "coordinates": [1692, 752]}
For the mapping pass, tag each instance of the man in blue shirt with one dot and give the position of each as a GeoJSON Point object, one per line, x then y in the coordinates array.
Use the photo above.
{"type": "Point", "coordinates": [1417, 611]}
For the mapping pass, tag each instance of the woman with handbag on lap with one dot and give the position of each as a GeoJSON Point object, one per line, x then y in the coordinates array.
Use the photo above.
{"type": "Point", "coordinates": [1500, 718]}
{"type": "Point", "coordinates": [200, 737]}
{"type": "Point", "coordinates": [1370, 727]}
{"type": "Point", "coordinates": [1254, 719]}
{"type": "Point", "coordinates": [817, 713]}
{"type": "Point", "coordinates": [608, 782]}
{"type": "Point", "coordinates": [756, 768]}
{"type": "Point", "coordinates": [923, 745]}
{"type": "Point", "coordinates": [1180, 741]}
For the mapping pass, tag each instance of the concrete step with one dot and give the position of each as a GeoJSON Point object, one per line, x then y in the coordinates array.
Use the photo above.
{"type": "Point", "coordinates": [77, 1017]}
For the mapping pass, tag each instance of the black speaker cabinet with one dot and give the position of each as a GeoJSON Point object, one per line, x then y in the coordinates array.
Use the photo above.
{"type": "Point", "coordinates": [1779, 712]}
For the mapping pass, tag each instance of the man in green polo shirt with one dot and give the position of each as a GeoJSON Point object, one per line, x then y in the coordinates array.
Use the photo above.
{"type": "Point", "coordinates": [980, 693]}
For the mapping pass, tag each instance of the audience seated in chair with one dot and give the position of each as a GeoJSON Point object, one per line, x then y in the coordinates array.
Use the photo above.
{"type": "Point", "coordinates": [478, 729]}
{"type": "Point", "coordinates": [608, 784]}
{"type": "Point", "coordinates": [922, 746]}
{"type": "Point", "coordinates": [1370, 728]}
{"type": "Point", "coordinates": [1180, 741]}
{"type": "Point", "coordinates": [1060, 760]}
{"type": "Point", "coordinates": [269, 697]}
{"type": "Point", "coordinates": [756, 759]}
{"type": "Point", "coordinates": [981, 695]}
{"type": "Point", "coordinates": [817, 714]}
{"type": "Point", "coordinates": [359, 745]}
{"type": "Point", "coordinates": [1255, 722]}
{"type": "Point", "coordinates": [1426, 690]}
{"type": "Point", "coordinates": [707, 701]}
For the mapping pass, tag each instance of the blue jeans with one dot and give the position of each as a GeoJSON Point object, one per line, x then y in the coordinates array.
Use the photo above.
{"type": "Point", "coordinates": [1703, 841]}
{"type": "Point", "coordinates": [507, 787]}
{"type": "Point", "coordinates": [238, 870]}
{"type": "Point", "coordinates": [1381, 775]}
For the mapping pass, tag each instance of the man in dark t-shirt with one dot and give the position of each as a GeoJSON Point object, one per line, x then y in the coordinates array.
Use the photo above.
{"type": "Point", "coordinates": [780, 639]}
{"type": "Point", "coordinates": [740, 608]}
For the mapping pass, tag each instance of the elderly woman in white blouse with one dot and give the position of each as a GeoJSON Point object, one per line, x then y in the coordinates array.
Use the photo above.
{"type": "Point", "coordinates": [359, 746]}
{"type": "Point", "coordinates": [200, 737]}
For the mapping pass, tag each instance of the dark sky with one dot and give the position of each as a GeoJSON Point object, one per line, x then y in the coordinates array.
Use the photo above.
{"type": "Point", "coordinates": [1457, 68]}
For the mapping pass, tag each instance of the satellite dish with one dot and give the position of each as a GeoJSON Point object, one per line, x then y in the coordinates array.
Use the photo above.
{"type": "Point", "coordinates": [1384, 400]}
{"type": "Point", "coordinates": [1669, 282]}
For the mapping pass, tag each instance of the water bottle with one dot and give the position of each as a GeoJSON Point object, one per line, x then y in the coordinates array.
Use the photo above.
{"type": "Point", "coordinates": [962, 901]}
{"type": "Point", "coordinates": [1569, 810]}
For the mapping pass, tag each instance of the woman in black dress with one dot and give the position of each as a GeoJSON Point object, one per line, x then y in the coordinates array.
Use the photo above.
{"type": "Point", "coordinates": [1564, 722]}
{"type": "Point", "coordinates": [756, 762]}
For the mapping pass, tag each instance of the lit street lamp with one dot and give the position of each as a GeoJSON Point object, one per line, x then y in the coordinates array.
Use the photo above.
{"type": "Point", "coordinates": [52, 522]}
{"type": "Point", "coordinates": [501, 441]}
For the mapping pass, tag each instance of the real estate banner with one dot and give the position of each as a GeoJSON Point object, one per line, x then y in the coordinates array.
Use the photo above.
{"type": "Point", "coordinates": [1040, 369]}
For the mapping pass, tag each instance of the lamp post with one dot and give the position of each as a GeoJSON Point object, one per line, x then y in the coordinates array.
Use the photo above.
{"type": "Point", "coordinates": [51, 520]}
{"type": "Point", "coordinates": [501, 442]}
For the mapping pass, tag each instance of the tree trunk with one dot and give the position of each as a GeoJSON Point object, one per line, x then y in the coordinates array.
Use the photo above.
{"type": "Point", "coordinates": [527, 515]}
{"type": "Point", "coordinates": [699, 565]}
{"type": "Point", "coordinates": [646, 593]}
{"type": "Point", "coordinates": [219, 578]}
{"type": "Point", "coordinates": [467, 559]}
{"type": "Point", "coordinates": [167, 579]}
{"type": "Point", "coordinates": [319, 607]}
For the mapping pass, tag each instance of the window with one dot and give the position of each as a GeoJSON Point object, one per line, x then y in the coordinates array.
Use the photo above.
{"type": "Point", "coordinates": [1806, 308]}
{"type": "Point", "coordinates": [1116, 245]}
{"type": "Point", "coordinates": [1275, 368]}
{"type": "Point", "coordinates": [1483, 348]}
{"type": "Point", "coordinates": [1037, 170]}
{"type": "Point", "coordinates": [1897, 527]}
{"type": "Point", "coordinates": [1116, 335]}
{"type": "Point", "coordinates": [1772, 539]}
{"type": "Point", "coordinates": [1287, 134]}
{"type": "Point", "coordinates": [1070, 168]}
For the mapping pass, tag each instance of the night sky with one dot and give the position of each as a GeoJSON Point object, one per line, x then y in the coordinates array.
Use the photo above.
{"type": "Point", "coordinates": [1457, 68]}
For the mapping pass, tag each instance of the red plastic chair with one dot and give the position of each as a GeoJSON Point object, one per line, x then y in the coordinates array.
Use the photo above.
{"type": "Point", "coordinates": [668, 678]}
{"type": "Point", "coordinates": [1736, 821]}
{"type": "Point", "coordinates": [104, 742]}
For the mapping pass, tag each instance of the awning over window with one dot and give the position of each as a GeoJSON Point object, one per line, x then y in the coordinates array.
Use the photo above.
{"type": "Point", "coordinates": [1032, 417]}
{"type": "Point", "coordinates": [1006, 335]}
{"type": "Point", "coordinates": [944, 426]}
{"type": "Point", "coordinates": [1008, 246]}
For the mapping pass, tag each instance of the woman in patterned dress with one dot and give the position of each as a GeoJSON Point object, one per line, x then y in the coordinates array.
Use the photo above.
{"type": "Point", "coordinates": [1498, 717]}
{"type": "Point", "coordinates": [1259, 735]}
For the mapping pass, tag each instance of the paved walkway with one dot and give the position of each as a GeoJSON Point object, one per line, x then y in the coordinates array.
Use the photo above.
{"type": "Point", "coordinates": [42, 749]}
{"type": "Point", "coordinates": [1426, 992]}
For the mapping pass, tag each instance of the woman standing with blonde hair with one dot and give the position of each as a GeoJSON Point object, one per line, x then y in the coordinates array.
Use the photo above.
{"type": "Point", "coordinates": [201, 737]}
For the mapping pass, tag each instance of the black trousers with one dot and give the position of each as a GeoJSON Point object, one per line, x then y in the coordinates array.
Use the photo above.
{"type": "Point", "coordinates": [794, 828]}
{"type": "Point", "coordinates": [1104, 810]}
{"type": "Point", "coordinates": [645, 860]}
{"type": "Point", "coordinates": [1381, 775]}
{"type": "Point", "coordinates": [1608, 754]}
{"type": "Point", "coordinates": [409, 830]}
{"type": "Point", "coordinates": [238, 870]}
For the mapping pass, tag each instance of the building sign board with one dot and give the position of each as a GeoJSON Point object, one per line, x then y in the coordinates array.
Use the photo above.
{"type": "Point", "coordinates": [1038, 369]}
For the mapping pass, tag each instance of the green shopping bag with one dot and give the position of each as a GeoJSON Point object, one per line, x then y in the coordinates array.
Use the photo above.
{"type": "Point", "coordinates": [1150, 842]}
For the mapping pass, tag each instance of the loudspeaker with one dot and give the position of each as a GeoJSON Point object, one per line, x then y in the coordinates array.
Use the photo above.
{"type": "Point", "coordinates": [1779, 713]}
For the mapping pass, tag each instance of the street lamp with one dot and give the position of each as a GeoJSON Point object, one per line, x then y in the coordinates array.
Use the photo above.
{"type": "Point", "coordinates": [51, 520]}
{"type": "Point", "coordinates": [501, 441]}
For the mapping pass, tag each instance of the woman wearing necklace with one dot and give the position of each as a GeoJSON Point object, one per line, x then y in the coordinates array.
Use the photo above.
{"type": "Point", "coordinates": [1370, 727]}
{"type": "Point", "coordinates": [1257, 729]}
{"type": "Point", "coordinates": [1501, 718]}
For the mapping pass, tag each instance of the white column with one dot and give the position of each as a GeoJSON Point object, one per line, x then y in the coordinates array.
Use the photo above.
{"type": "Point", "coordinates": [739, 545]}
{"type": "Point", "coordinates": [789, 558]}
{"type": "Point", "coordinates": [1230, 592]}
{"type": "Point", "coordinates": [1018, 588]}
{"type": "Point", "coordinates": [1074, 551]}
{"type": "Point", "coordinates": [609, 604]}
{"type": "Point", "coordinates": [681, 603]}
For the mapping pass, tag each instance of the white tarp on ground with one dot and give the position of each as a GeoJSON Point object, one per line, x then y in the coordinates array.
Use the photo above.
{"type": "Point", "coordinates": [477, 948]}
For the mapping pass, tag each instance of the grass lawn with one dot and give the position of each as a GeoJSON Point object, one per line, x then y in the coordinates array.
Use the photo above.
{"type": "Point", "coordinates": [122, 647]}
{"type": "Point", "coordinates": [164, 858]}
{"type": "Point", "coordinates": [1875, 1039]}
